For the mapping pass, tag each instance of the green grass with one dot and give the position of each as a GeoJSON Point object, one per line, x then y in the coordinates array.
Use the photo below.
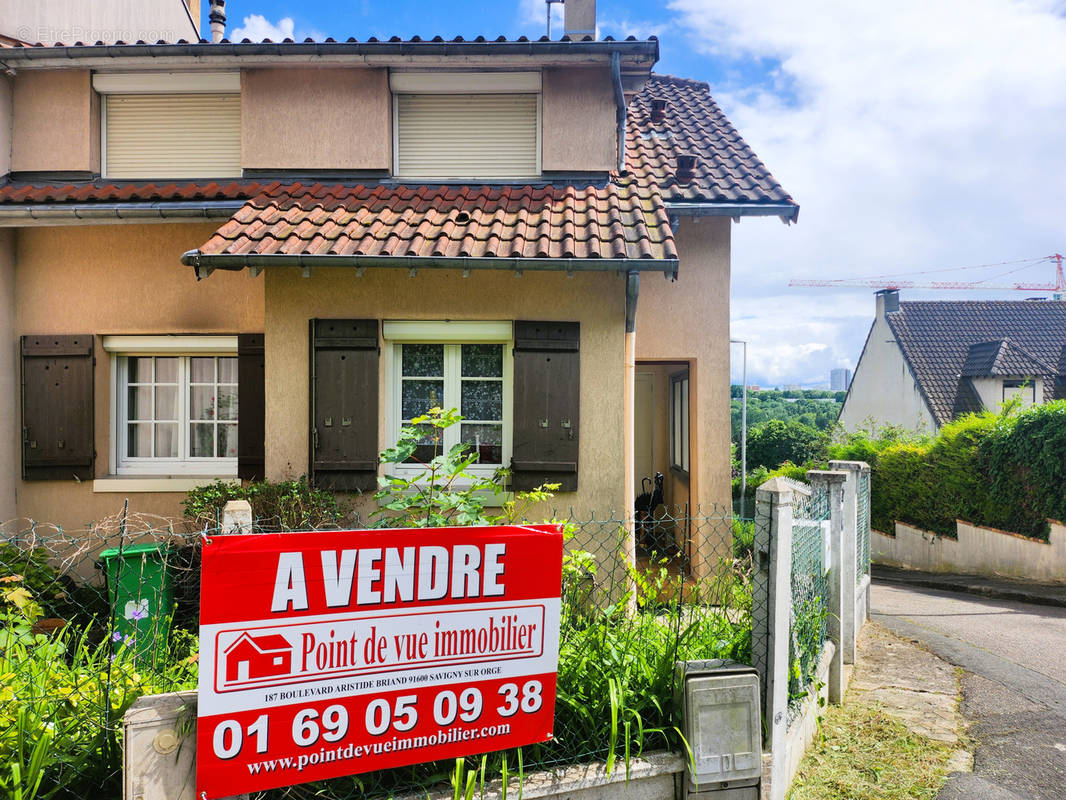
{"type": "Point", "coordinates": [864, 754]}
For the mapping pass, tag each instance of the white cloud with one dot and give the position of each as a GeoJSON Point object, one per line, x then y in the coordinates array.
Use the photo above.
{"type": "Point", "coordinates": [534, 14]}
{"type": "Point", "coordinates": [257, 27]}
{"type": "Point", "coordinates": [914, 135]}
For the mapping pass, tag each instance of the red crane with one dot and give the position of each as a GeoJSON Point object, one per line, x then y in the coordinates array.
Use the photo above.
{"type": "Point", "coordinates": [1058, 287]}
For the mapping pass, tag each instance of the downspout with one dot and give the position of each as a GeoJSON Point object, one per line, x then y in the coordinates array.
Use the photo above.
{"type": "Point", "coordinates": [620, 112]}
{"type": "Point", "coordinates": [628, 410]}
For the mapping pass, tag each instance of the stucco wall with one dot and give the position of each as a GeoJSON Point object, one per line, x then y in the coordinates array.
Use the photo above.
{"type": "Point", "coordinates": [579, 120]}
{"type": "Point", "coordinates": [118, 279]}
{"type": "Point", "coordinates": [883, 390]}
{"type": "Point", "coordinates": [597, 301]}
{"type": "Point", "coordinates": [343, 117]}
{"type": "Point", "coordinates": [56, 122]}
{"type": "Point", "coordinates": [689, 321]}
{"type": "Point", "coordinates": [50, 21]}
{"type": "Point", "coordinates": [9, 427]}
{"type": "Point", "coordinates": [976, 551]}
{"type": "Point", "coordinates": [5, 124]}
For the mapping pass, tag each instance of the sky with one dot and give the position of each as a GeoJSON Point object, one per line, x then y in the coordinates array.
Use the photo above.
{"type": "Point", "coordinates": [917, 137]}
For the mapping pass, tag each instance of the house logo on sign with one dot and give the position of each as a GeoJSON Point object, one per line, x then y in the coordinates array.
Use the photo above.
{"type": "Point", "coordinates": [252, 658]}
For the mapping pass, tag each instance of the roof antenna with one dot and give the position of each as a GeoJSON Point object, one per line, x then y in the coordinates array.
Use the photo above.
{"type": "Point", "coordinates": [549, 4]}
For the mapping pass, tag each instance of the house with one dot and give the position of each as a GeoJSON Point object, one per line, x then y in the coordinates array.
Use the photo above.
{"type": "Point", "coordinates": [259, 259]}
{"type": "Point", "coordinates": [927, 362]}
{"type": "Point", "coordinates": [255, 657]}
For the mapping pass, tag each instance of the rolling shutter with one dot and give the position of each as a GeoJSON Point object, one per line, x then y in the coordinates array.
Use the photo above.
{"type": "Point", "coordinates": [57, 407]}
{"type": "Point", "coordinates": [468, 136]}
{"type": "Point", "coordinates": [251, 391]}
{"type": "Point", "coordinates": [172, 136]}
{"type": "Point", "coordinates": [546, 404]}
{"type": "Point", "coordinates": [344, 404]}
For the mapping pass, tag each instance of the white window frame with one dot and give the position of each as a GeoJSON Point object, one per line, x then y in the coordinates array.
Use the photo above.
{"type": "Point", "coordinates": [400, 332]}
{"type": "Point", "coordinates": [183, 347]}
{"type": "Point", "coordinates": [680, 421]}
{"type": "Point", "coordinates": [402, 82]}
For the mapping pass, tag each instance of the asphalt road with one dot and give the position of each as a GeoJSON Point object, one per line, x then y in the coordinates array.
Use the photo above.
{"type": "Point", "coordinates": [1014, 686]}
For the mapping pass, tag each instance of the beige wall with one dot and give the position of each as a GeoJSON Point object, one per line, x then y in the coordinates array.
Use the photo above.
{"type": "Point", "coordinates": [119, 279]}
{"type": "Point", "coordinates": [5, 124]}
{"type": "Point", "coordinates": [56, 122]}
{"type": "Point", "coordinates": [883, 390]}
{"type": "Point", "coordinates": [69, 21]}
{"type": "Point", "coordinates": [316, 119]}
{"type": "Point", "coordinates": [579, 130]}
{"type": "Point", "coordinates": [596, 300]}
{"type": "Point", "coordinates": [689, 320]}
{"type": "Point", "coordinates": [9, 384]}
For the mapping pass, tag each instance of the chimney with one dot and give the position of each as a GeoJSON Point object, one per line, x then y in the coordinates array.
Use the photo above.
{"type": "Point", "coordinates": [887, 301]}
{"type": "Point", "coordinates": [686, 167]}
{"type": "Point", "coordinates": [579, 19]}
{"type": "Point", "coordinates": [217, 18]}
{"type": "Point", "coordinates": [658, 109]}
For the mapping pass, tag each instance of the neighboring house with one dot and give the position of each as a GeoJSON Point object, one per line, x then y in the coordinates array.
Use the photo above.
{"type": "Point", "coordinates": [535, 232]}
{"type": "Point", "coordinates": [926, 363]}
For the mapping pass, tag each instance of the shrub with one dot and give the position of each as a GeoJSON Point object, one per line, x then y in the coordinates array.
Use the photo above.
{"type": "Point", "coordinates": [280, 505]}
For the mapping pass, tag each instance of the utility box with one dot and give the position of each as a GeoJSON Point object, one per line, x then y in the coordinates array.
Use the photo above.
{"type": "Point", "coordinates": [720, 709]}
{"type": "Point", "coordinates": [142, 596]}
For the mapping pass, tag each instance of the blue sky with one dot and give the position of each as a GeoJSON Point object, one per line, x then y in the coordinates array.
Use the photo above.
{"type": "Point", "coordinates": [916, 136]}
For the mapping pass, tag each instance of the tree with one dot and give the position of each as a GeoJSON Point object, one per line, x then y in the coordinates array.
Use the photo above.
{"type": "Point", "coordinates": [774, 442]}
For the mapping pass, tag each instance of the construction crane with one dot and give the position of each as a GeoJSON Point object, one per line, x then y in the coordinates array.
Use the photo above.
{"type": "Point", "coordinates": [1057, 288]}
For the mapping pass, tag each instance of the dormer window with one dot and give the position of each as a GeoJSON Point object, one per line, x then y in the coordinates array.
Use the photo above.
{"type": "Point", "coordinates": [466, 126]}
{"type": "Point", "coordinates": [170, 125]}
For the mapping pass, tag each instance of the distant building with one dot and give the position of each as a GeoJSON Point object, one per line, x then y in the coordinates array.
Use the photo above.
{"type": "Point", "coordinates": [839, 379]}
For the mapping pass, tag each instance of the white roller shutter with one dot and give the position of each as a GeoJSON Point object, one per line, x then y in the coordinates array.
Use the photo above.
{"type": "Point", "coordinates": [468, 136]}
{"type": "Point", "coordinates": [172, 136]}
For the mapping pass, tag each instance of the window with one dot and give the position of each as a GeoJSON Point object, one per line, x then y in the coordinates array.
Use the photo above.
{"type": "Point", "coordinates": [466, 125]}
{"type": "Point", "coordinates": [468, 367]}
{"type": "Point", "coordinates": [1024, 389]}
{"type": "Point", "coordinates": [174, 411]}
{"type": "Point", "coordinates": [679, 421]}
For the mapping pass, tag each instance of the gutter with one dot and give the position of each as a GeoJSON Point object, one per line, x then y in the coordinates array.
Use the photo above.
{"type": "Point", "coordinates": [620, 110]}
{"type": "Point", "coordinates": [47, 213]}
{"type": "Point", "coordinates": [205, 263]}
{"type": "Point", "coordinates": [788, 212]}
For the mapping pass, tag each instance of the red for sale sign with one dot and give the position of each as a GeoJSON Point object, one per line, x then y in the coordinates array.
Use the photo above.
{"type": "Point", "coordinates": [331, 653]}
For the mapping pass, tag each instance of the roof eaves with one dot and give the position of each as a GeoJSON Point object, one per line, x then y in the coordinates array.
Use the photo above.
{"type": "Point", "coordinates": [787, 212]}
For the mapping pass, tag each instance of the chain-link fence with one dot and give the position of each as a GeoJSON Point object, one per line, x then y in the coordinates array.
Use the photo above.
{"type": "Point", "coordinates": [94, 618]}
{"type": "Point", "coordinates": [862, 549]}
{"type": "Point", "coordinates": [810, 587]}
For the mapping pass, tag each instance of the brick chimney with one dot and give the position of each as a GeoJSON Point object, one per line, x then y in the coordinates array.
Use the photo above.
{"type": "Point", "coordinates": [579, 19]}
{"type": "Point", "coordinates": [217, 18]}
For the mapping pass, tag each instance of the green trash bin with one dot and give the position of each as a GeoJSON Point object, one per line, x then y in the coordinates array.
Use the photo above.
{"type": "Point", "coordinates": [142, 596]}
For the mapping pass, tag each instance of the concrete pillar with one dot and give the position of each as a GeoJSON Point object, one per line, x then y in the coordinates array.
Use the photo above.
{"type": "Point", "coordinates": [849, 624]}
{"type": "Point", "coordinates": [773, 581]}
{"type": "Point", "coordinates": [237, 517]}
{"type": "Point", "coordinates": [833, 483]}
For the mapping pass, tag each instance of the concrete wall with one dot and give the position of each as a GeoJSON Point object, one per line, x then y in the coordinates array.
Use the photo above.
{"type": "Point", "coordinates": [596, 300]}
{"type": "Point", "coordinates": [56, 122]}
{"type": "Point", "coordinates": [883, 390]}
{"type": "Point", "coordinates": [9, 382]}
{"type": "Point", "coordinates": [316, 119]}
{"type": "Point", "coordinates": [118, 279]}
{"type": "Point", "coordinates": [6, 93]}
{"type": "Point", "coordinates": [977, 551]}
{"type": "Point", "coordinates": [689, 321]}
{"type": "Point", "coordinates": [579, 121]}
{"type": "Point", "coordinates": [68, 21]}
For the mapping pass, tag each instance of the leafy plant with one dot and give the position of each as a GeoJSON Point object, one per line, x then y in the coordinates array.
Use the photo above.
{"type": "Point", "coordinates": [276, 505]}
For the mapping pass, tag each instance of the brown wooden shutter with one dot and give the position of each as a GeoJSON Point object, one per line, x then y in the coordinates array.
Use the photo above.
{"type": "Point", "coordinates": [546, 404]}
{"type": "Point", "coordinates": [344, 403]}
{"type": "Point", "coordinates": [57, 407]}
{"type": "Point", "coordinates": [251, 392]}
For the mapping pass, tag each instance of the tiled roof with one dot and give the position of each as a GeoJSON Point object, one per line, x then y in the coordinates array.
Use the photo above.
{"type": "Point", "coordinates": [726, 169]}
{"type": "Point", "coordinates": [1001, 358]}
{"type": "Point", "coordinates": [19, 43]}
{"type": "Point", "coordinates": [936, 337]}
{"type": "Point", "coordinates": [450, 222]}
{"type": "Point", "coordinates": [103, 191]}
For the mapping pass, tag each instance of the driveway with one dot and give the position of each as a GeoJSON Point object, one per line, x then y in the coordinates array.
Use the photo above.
{"type": "Point", "coordinates": [1014, 687]}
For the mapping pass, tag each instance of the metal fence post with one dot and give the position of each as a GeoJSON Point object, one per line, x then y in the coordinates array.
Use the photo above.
{"type": "Point", "coordinates": [833, 483]}
{"type": "Point", "coordinates": [773, 515]}
{"type": "Point", "coordinates": [849, 624]}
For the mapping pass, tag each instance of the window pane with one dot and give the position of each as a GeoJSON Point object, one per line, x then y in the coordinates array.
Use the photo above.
{"type": "Point", "coordinates": [202, 370]}
{"type": "Point", "coordinates": [166, 370]}
{"type": "Point", "coordinates": [166, 402]}
{"type": "Point", "coordinates": [202, 440]}
{"type": "Point", "coordinates": [482, 360]}
{"type": "Point", "coordinates": [423, 360]}
{"type": "Point", "coordinates": [202, 402]}
{"type": "Point", "coordinates": [427, 447]}
{"type": "Point", "coordinates": [482, 400]}
{"type": "Point", "coordinates": [227, 370]}
{"type": "Point", "coordinates": [139, 369]}
{"type": "Point", "coordinates": [227, 441]}
{"type": "Point", "coordinates": [227, 402]}
{"type": "Point", "coordinates": [140, 441]}
{"type": "Point", "coordinates": [418, 397]}
{"type": "Point", "coordinates": [139, 402]}
{"type": "Point", "coordinates": [486, 440]}
{"type": "Point", "coordinates": [166, 440]}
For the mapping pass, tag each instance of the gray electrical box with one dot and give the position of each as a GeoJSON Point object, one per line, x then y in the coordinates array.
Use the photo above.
{"type": "Point", "coordinates": [720, 707]}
